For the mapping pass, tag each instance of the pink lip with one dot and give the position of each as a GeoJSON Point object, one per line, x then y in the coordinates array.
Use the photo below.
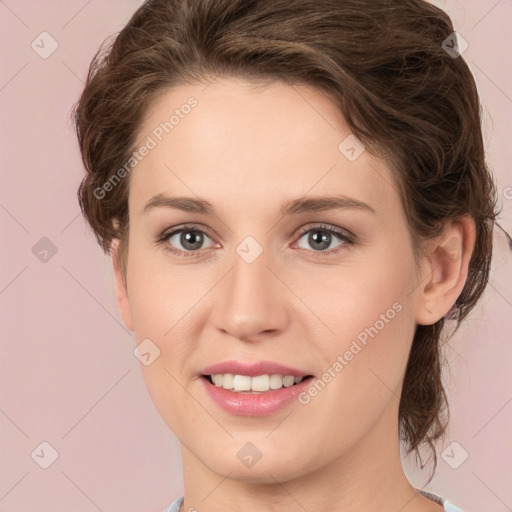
{"type": "Point", "coordinates": [258, 404]}
{"type": "Point", "coordinates": [252, 369]}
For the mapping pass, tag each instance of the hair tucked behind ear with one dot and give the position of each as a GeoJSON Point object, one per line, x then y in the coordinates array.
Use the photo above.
{"type": "Point", "coordinates": [381, 62]}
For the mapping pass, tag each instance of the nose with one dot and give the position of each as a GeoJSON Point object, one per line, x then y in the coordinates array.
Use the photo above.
{"type": "Point", "coordinates": [251, 302]}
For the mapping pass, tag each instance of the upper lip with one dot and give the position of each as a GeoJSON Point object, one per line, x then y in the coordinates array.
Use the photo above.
{"type": "Point", "coordinates": [252, 369]}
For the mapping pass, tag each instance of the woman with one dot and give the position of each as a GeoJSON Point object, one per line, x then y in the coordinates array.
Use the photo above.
{"type": "Point", "coordinates": [296, 199]}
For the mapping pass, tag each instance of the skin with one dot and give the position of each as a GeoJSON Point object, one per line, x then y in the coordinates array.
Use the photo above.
{"type": "Point", "coordinates": [247, 149]}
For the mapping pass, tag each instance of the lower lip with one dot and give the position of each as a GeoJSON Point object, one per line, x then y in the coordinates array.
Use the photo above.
{"type": "Point", "coordinates": [254, 404]}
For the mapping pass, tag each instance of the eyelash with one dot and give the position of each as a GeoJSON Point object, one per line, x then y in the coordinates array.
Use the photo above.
{"type": "Point", "coordinates": [342, 236]}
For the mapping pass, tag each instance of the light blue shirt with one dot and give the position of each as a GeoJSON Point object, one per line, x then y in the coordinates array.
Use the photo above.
{"type": "Point", "coordinates": [448, 507]}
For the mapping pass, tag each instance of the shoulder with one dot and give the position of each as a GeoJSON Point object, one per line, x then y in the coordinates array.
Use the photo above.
{"type": "Point", "coordinates": [175, 505]}
{"type": "Point", "coordinates": [448, 507]}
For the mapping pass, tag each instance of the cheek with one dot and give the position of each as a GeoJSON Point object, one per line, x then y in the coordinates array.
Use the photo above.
{"type": "Point", "coordinates": [166, 302]}
{"type": "Point", "coordinates": [162, 305]}
{"type": "Point", "coordinates": [161, 294]}
{"type": "Point", "coordinates": [364, 364]}
{"type": "Point", "coordinates": [379, 345]}
{"type": "Point", "coordinates": [357, 300]}
{"type": "Point", "coordinates": [370, 315]}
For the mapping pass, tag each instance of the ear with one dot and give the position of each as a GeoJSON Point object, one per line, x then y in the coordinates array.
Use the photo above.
{"type": "Point", "coordinates": [445, 270]}
{"type": "Point", "coordinates": [121, 288]}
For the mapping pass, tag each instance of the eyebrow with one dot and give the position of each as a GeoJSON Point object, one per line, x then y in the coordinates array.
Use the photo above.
{"type": "Point", "coordinates": [294, 207]}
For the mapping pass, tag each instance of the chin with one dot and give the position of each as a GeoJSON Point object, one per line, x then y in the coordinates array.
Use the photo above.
{"type": "Point", "coordinates": [279, 466]}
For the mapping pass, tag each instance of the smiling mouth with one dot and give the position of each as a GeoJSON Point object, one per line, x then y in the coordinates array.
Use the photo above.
{"type": "Point", "coordinates": [254, 384]}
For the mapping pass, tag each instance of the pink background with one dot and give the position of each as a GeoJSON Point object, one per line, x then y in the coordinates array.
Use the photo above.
{"type": "Point", "coordinates": [68, 373]}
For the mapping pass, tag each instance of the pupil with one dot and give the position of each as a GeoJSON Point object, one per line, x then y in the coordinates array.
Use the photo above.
{"type": "Point", "coordinates": [323, 239]}
{"type": "Point", "coordinates": [191, 238]}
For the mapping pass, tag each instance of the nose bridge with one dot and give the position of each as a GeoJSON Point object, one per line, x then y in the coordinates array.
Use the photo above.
{"type": "Point", "coordinates": [252, 300]}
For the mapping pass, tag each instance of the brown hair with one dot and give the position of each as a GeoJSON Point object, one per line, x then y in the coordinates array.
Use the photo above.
{"type": "Point", "coordinates": [382, 63]}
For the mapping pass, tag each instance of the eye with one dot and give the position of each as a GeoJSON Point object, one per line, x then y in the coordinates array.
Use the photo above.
{"type": "Point", "coordinates": [321, 237]}
{"type": "Point", "coordinates": [185, 241]}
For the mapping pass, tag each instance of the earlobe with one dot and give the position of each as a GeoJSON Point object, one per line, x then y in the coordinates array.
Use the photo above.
{"type": "Point", "coordinates": [121, 287]}
{"type": "Point", "coordinates": [445, 270]}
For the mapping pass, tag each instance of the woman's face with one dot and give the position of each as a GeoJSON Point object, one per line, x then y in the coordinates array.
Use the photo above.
{"type": "Point", "coordinates": [258, 281]}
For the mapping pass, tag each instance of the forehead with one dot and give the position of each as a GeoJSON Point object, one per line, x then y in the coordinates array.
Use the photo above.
{"type": "Point", "coordinates": [237, 142]}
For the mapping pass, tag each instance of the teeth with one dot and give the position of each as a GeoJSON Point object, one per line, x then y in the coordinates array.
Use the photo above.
{"type": "Point", "coordinates": [259, 383]}
{"type": "Point", "coordinates": [288, 381]}
{"type": "Point", "coordinates": [218, 379]}
{"type": "Point", "coordinates": [276, 382]}
{"type": "Point", "coordinates": [242, 383]}
{"type": "Point", "coordinates": [227, 381]}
